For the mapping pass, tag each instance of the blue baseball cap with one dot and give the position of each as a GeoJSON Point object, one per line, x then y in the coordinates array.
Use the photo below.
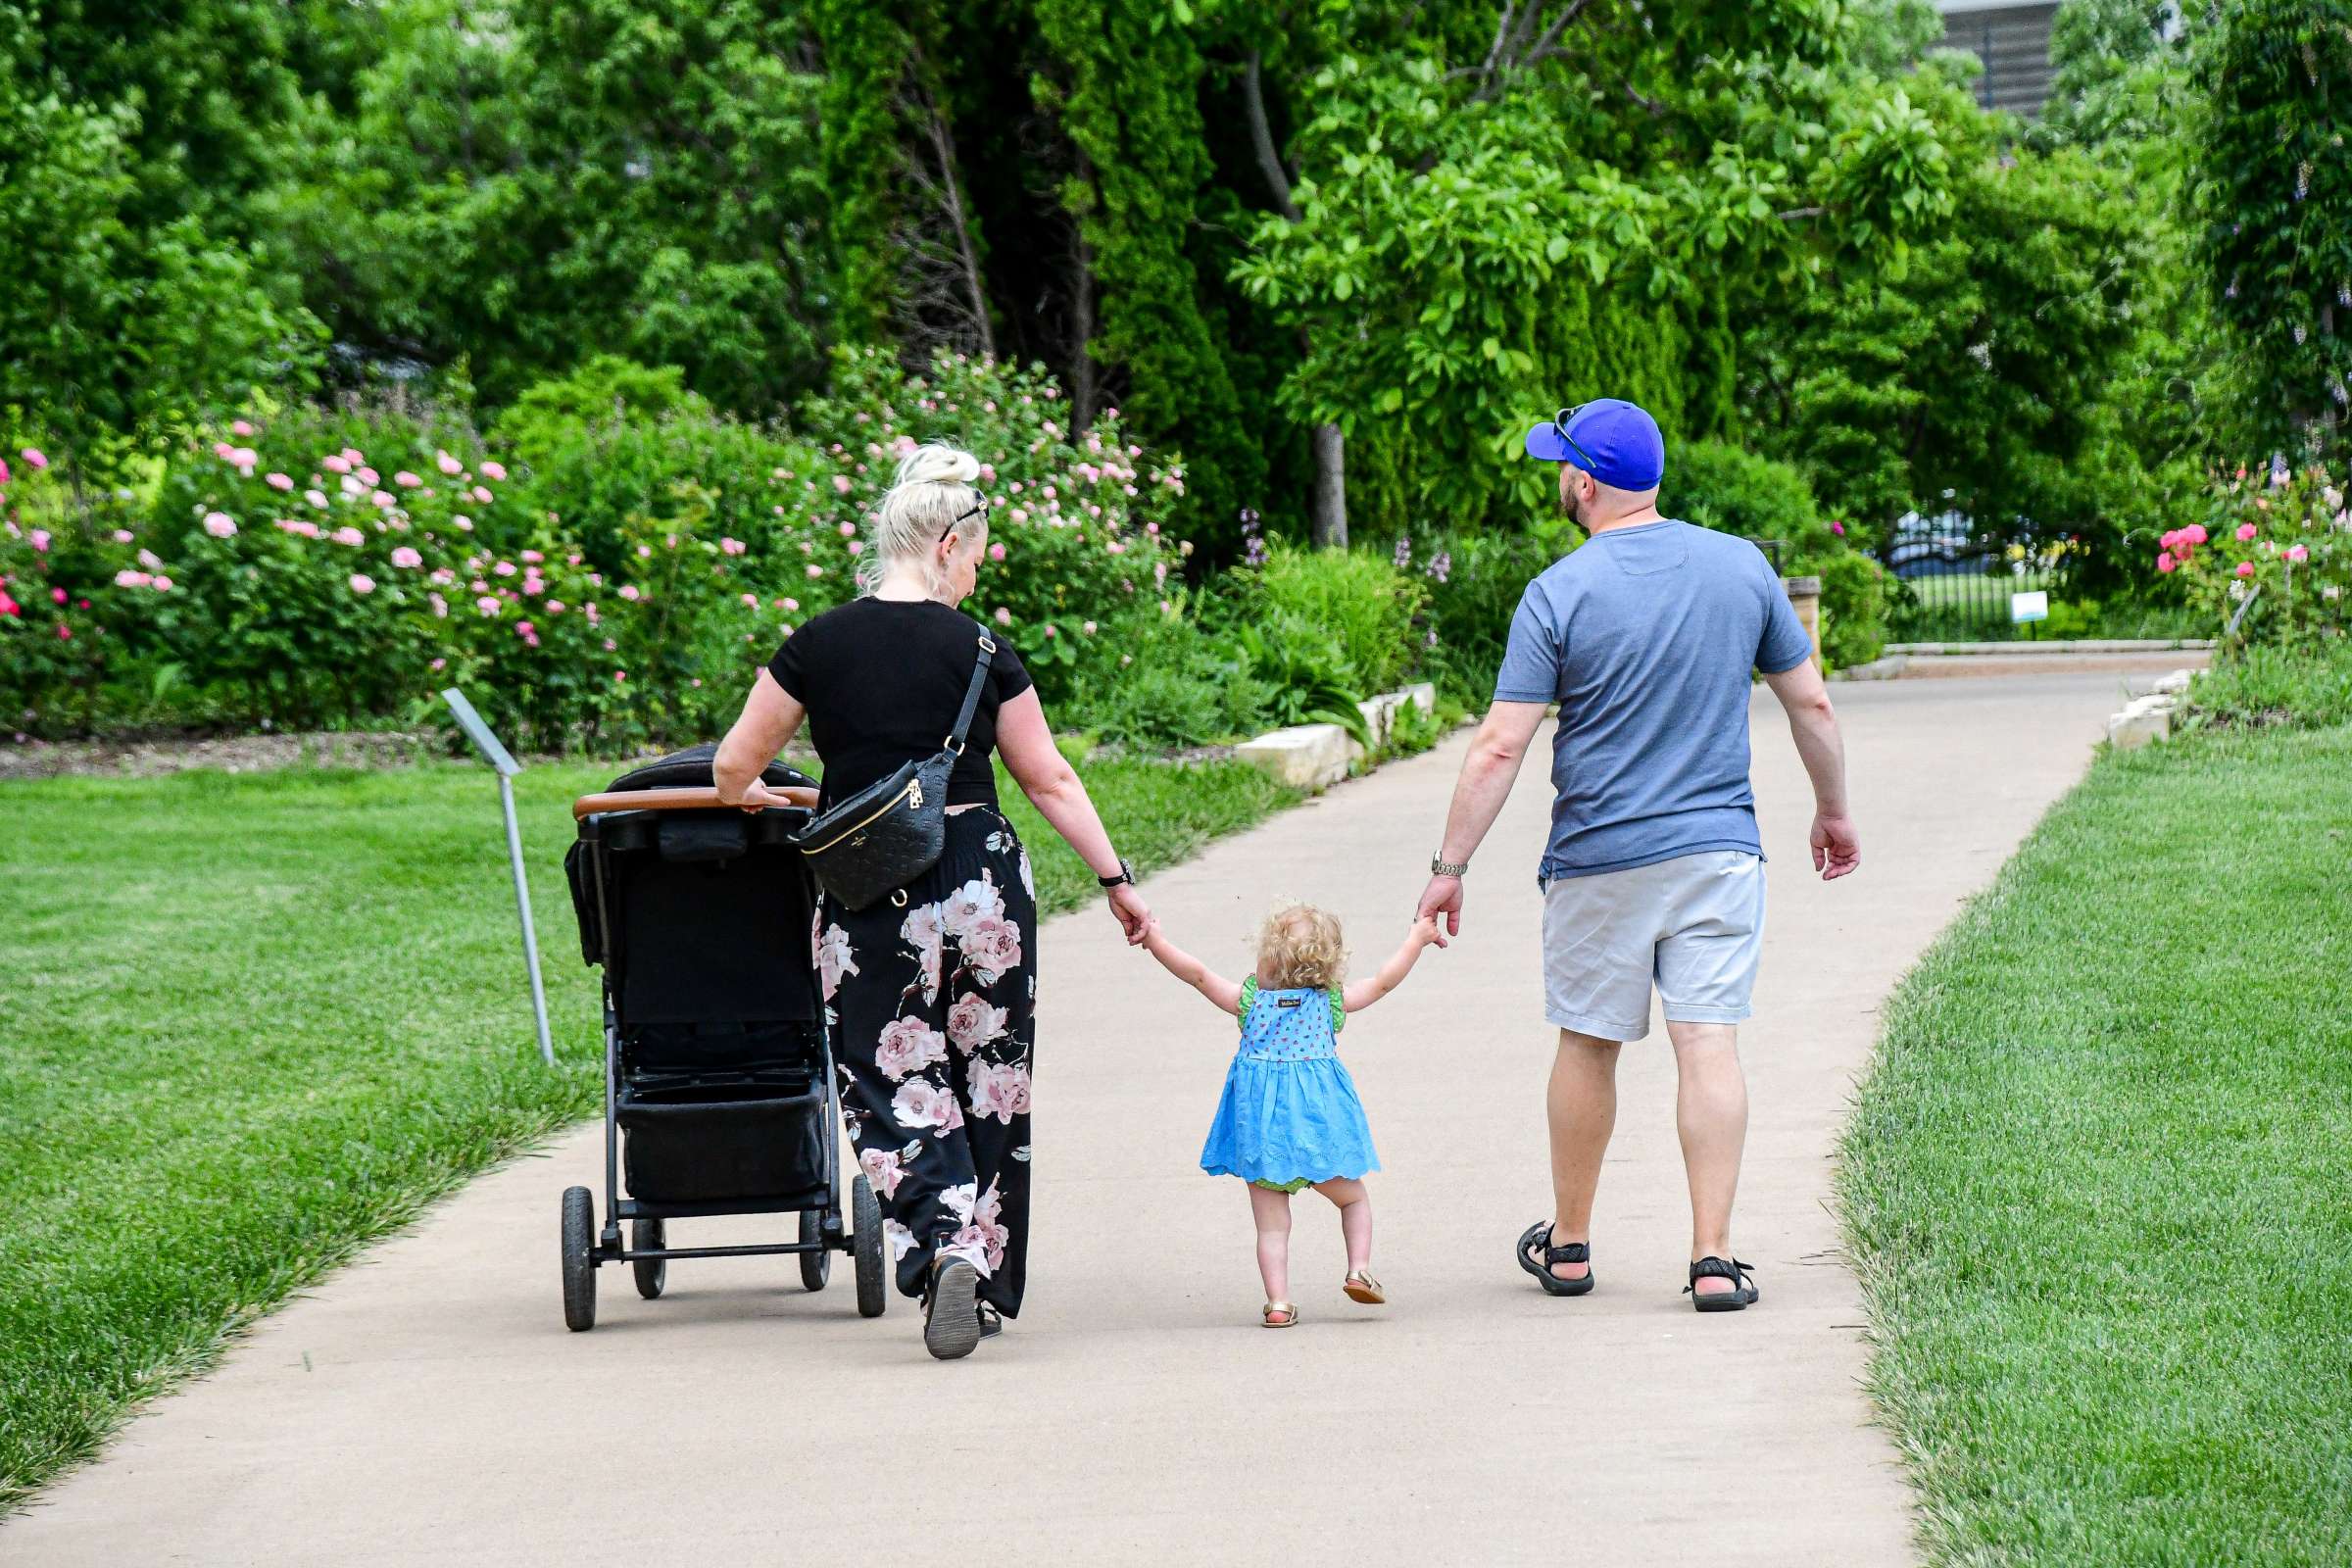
{"type": "Point", "coordinates": [1614, 441]}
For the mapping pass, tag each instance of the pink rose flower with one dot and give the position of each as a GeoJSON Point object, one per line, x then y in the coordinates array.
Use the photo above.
{"type": "Point", "coordinates": [406, 555]}
{"type": "Point", "coordinates": [834, 958]}
{"type": "Point", "coordinates": [815, 570]}
{"type": "Point", "coordinates": [219, 524]}
{"type": "Point", "coordinates": [841, 484]}
{"type": "Point", "coordinates": [348, 536]}
{"type": "Point", "coordinates": [494, 472]}
{"type": "Point", "coordinates": [126, 579]}
{"type": "Point", "coordinates": [487, 604]}
{"type": "Point", "coordinates": [924, 929]}
{"type": "Point", "coordinates": [2195, 533]}
{"type": "Point", "coordinates": [505, 568]}
{"type": "Point", "coordinates": [57, 595]}
{"type": "Point", "coordinates": [447, 464]}
{"type": "Point", "coordinates": [317, 498]}
{"type": "Point", "coordinates": [921, 1103]}
{"type": "Point", "coordinates": [2298, 552]}
{"type": "Point", "coordinates": [34, 459]}
{"type": "Point", "coordinates": [977, 901]}
{"type": "Point", "coordinates": [883, 1168]}
{"type": "Point", "coordinates": [462, 523]}
{"type": "Point", "coordinates": [163, 584]}
{"type": "Point", "coordinates": [335, 463]}
{"type": "Point", "coordinates": [40, 539]}
{"type": "Point", "coordinates": [279, 481]}
{"type": "Point", "coordinates": [1000, 1090]}
{"type": "Point", "coordinates": [996, 550]}
{"type": "Point", "coordinates": [2245, 568]}
{"type": "Point", "coordinates": [2165, 561]}
{"type": "Point", "coordinates": [628, 590]}
{"type": "Point", "coordinates": [1003, 617]}
{"type": "Point", "coordinates": [973, 1022]}
{"type": "Point", "coordinates": [731, 547]}
{"type": "Point", "coordinates": [240, 427]}
{"type": "Point", "coordinates": [991, 948]}
{"type": "Point", "coordinates": [907, 1045]}
{"type": "Point", "coordinates": [361, 583]}
{"type": "Point", "coordinates": [407, 481]}
{"type": "Point", "coordinates": [481, 495]}
{"type": "Point", "coordinates": [2245, 531]}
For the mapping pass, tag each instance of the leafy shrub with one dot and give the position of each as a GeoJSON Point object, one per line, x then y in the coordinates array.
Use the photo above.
{"type": "Point", "coordinates": [1171, 682]}
{"type": "Point", "coordinates": [1349, 599]}
{"type": "Point", "coordinates": [2261, 685]}
{"type": "Point", "coordinates": [1476, 582]}
{"type": "Point", "coordinates": [1733, 491]}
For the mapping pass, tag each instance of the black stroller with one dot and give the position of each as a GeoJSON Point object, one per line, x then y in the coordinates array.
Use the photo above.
{"type": "Point", "coordinates": [718, 1074]}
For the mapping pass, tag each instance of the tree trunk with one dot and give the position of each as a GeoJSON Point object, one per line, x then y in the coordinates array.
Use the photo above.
{"type": "Point", "coordinates": [1328, 521]}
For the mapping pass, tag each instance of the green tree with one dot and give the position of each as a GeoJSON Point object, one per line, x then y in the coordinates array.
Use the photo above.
{"type": "Point", "coordinates": [518, 187]}
{"type": "Point", "coordinates": [2271, 194]}
{"type": "Point", "coordinates": [122, 318]}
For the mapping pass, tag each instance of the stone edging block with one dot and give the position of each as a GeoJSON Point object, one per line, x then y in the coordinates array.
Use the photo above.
{"type": "Point", "coordinates": [1315, 757]}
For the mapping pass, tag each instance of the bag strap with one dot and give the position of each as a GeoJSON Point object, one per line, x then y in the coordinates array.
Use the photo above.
{"type": "Point", "coordinates": [971, 695]}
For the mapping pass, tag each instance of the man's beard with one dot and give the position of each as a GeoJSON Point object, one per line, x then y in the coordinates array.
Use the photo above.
{"type": "Point", "coordinates": [1572, 504]}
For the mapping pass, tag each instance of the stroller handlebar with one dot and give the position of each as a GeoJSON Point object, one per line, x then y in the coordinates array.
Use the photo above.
{"type": "Point", "coordinates": [679, 800]}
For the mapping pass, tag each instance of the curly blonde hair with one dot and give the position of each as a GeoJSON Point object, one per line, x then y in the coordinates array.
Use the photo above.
{"type": "Point", "coordinates": [1300, 947]}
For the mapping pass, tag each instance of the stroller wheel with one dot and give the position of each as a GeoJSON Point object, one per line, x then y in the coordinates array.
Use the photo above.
{"type": "Point", "coordinates": [866, 1242]}
{"type": "Point", "coordinates": [816, 1267]}
{"type": "Point", "coordinates": [650, 1272]}
{"type": "Point", "coordinates": [579, 1264]}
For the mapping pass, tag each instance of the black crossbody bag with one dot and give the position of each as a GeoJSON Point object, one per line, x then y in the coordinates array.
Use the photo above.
{"type": "Point", "coordinates": [895, 829]}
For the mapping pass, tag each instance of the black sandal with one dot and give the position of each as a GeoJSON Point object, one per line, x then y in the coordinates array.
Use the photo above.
{"type": "Point", "coordinates": [951, 1309]}
{"type": "Point", "coordinates": [1731, 1300]}
{"type": "Point", "coordinates": [1539, 1235]}
{"type": "Point", "coordinates": [992, 1322]}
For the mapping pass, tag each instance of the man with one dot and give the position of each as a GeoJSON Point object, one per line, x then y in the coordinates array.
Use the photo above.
{"type": "Point", "coordinates": [1646, 637]}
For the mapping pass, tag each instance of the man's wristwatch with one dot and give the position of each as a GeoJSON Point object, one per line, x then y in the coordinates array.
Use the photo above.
{"type": "Point", "coordinates": [1439, 865]}
{"type": "Point", "coordinates": [1125, 878]}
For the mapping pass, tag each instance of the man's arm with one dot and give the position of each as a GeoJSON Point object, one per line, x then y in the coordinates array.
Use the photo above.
{"type": "Point", "coordinates": [1487, 772]}
{"type": "Point", "coordinates": [1813, 723]}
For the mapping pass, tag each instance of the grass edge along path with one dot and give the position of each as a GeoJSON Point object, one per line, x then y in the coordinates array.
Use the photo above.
{"type": "Point", "coordinates": [252, 1023]}
{"type": "Point", "coordinates": [2094, 1183]}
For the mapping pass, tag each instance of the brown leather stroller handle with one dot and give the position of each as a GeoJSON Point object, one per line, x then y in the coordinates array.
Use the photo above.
{"type": "Point", "coordinates": [690, 800]}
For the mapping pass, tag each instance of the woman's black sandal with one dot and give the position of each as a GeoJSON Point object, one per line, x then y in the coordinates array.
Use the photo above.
{"type": "Point", "coordinates": [1538, 1235]}
{"type": "Point", "coordinates": [951, 1309]}
{"type": "Point", "coordinates": [992, 1322]}
{"type": "Point", "coordinates": [1743, 1291]}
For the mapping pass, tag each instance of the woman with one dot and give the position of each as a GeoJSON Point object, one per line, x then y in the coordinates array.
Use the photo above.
{"type": "Point", "coordinates": [932, 1000]}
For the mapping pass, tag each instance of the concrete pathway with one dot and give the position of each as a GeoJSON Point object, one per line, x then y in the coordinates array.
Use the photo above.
{"type": "Point", "coordinates": [427, 1404]}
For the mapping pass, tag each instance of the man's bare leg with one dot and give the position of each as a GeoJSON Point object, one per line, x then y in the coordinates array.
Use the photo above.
{"type": "Point", "coordinates": [1710, 1112]}
{"type": "Point", "coordinates": [1582, 1106]}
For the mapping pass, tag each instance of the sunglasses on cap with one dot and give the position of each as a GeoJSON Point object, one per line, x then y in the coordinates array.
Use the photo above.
{"type": "Point", "coordinates": [1560, 425]}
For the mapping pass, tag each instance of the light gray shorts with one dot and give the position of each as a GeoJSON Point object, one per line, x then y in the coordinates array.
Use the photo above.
{"type": "Point", "coordinates": [1694, 925]}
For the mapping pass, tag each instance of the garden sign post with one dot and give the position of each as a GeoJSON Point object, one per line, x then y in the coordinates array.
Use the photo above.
{"type": "Point", "coordinates": [503, 760]}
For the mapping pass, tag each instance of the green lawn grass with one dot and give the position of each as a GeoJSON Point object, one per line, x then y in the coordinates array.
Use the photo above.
{"type": "Point", "coordinates": [251, 1023]}
{"type": "Point", "coordinates": [2097, 1182]}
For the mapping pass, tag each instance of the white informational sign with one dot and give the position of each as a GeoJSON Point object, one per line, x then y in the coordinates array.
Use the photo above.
{"type": "Point", "coordinates": [2034, 605]}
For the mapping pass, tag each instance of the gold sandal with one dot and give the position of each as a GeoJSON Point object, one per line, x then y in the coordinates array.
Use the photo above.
{"type": "Point", "coordinates": [1360, 1286]}
{"type": "Point", "coordinates": [1268, 1313]}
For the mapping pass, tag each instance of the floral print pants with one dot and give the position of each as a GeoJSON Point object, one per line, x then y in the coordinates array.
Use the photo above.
{"type": "Point", "coordinates": [932, 1007]}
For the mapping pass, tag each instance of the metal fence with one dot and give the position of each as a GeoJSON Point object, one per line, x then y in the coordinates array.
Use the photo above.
{"type": "Point", "coordinates": [1957, 580]}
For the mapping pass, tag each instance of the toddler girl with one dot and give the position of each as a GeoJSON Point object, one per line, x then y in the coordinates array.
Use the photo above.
{"type": "Point", "coordinates": [1290, 1117]}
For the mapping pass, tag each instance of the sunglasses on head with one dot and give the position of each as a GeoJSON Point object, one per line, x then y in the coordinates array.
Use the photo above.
{"type": "Point", "coordinates": [972, 511]}
{"type": "Point", "coordinates": [1559, 424]}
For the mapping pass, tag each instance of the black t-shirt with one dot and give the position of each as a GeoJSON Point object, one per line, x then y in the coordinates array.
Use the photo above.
{"type": "Point", "coordinates": [882, 681]}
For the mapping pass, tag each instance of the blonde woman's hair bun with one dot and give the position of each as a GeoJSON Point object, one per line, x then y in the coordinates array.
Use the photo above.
{"type": "Point", "coordinates": [934, 463]}
{"type": "Point", "coordinates": [932, 494]}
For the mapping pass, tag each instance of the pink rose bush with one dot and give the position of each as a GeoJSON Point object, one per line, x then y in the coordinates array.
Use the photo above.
{"type": "Point", "coordinates": [2274, 556]}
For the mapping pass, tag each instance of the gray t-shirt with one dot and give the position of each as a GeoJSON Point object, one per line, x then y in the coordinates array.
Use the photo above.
{"type": "Point", "coordinates": [1647, 637]}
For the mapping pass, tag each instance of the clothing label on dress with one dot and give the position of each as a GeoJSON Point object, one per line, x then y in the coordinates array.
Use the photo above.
{"type": "Point", "coordinates": [1286, 1001]}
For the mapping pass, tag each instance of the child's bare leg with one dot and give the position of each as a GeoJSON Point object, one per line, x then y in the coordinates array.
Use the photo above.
{"type": "Point", "coordinates": [1355, 1218]}
{"type": "Point", "coordinates": [1271, 1211]}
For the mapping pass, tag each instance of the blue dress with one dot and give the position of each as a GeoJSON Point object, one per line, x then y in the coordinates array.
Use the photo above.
{"type": "Point", "coordinates": [1290, 1115]}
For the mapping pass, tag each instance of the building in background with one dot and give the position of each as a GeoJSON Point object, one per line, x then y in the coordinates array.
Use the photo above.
{"type": "Point", "coordinates": [2013, 41]}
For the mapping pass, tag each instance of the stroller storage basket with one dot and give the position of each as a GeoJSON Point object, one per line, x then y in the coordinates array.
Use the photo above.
{"type": "Point", "coordinates": [718, 1144]}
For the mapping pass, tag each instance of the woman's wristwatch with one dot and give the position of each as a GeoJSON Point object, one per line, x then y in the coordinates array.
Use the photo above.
{"type": "Point", "coordinates": [1439, 865]}
{"type": "Point", "coordinates": [1125, 878]}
